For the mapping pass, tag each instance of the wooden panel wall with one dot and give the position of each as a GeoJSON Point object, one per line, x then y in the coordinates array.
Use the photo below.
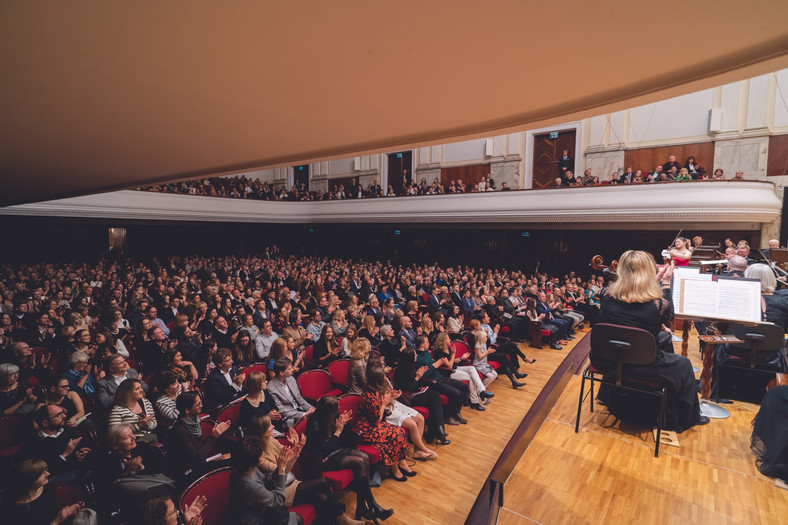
{"type": "Point", "coordinates": [646, 159]}
{"type": "Point", "coordinates": [468, 174]}
{"type": "Point", "coordinates": [341, 181]}
{"type": "Point", "coordinates": [777, 163]}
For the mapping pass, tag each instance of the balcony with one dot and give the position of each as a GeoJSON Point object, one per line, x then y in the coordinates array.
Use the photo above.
{"type": "Point", "coordinates": [708, 204]}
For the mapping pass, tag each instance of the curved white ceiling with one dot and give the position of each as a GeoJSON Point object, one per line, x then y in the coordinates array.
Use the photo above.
{"type": "Point", "coordinates": [101, 95]}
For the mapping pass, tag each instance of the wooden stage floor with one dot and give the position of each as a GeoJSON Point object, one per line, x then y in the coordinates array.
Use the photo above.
{"type": "Point", "coordinates": [607, 473]}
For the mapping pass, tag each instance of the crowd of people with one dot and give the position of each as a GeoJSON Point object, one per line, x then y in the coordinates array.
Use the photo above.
{"type": "Point", "coordinates": [670, 171]}
{"type": "Point", "coordinates": [243, 187]}
{"type": "Point", "coordinates": [110, 369]}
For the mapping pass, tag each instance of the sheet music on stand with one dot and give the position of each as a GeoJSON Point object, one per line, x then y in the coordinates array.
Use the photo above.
{"type": "Point", "coordinates": [733, 299]}
{"type": "Point", "coordinates": [680, 274]}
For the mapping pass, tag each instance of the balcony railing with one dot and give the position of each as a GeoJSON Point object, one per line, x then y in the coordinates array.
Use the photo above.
{"type": "Point", "coordinates": [742, 205]}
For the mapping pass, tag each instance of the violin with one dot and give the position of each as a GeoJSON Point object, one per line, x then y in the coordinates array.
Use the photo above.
{"type": "Point", "coordinates": [597, 263]}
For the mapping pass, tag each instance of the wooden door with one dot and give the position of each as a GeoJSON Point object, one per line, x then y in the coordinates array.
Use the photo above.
{"type": "Point", "coordinates": [470, 175]}
{"type": "Point", "coordinates": [301, 176]}
{"type": "Point", "coordinates": [400, 171]}
{"type": "Point", "coordinates": [547, 151]}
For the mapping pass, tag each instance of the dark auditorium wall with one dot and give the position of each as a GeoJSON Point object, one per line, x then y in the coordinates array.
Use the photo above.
{"type": "Point", "coordinates": [35, 239]}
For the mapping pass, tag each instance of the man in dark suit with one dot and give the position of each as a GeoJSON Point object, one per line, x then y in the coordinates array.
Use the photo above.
{"type": "Point", "coordinates": [543, 308]}
{"type": "Point", "coordinates": [152, 351]}
{"type": "Point", "coordinates": [284, 389]}
{"type": "Point", "coordinates": [62, 447]}
{"type": "Point", "coordinates": [117, 370]}
{"type": "Point", "coordinates": [224, 383]}
{"type": "Point", "coordinates": [565, 163]}
{"type": "Point", "coordinates": [355, 285]}
{"type": "Point", "coordinates": [168, 312]}
{"type": "Point", "coordinates": [436, 302]}
{"type": "Point", "coordinates": [222, 333]}
{"type": "Point", "coordinates": [270, 301]}
{"type": "Point", "coordinates": [456, 296]}
{"type": "Point", "coordinates": [43, 333]}
{"type": "Point", "coordinates": [671, 163]}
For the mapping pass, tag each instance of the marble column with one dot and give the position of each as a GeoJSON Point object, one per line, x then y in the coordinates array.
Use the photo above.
{"type": "Point", "coordinates": [748, 155]}
{"type": "Point", "coordinates": [603, 163]}
{"type": "Point", "coordinates": [506, 171]}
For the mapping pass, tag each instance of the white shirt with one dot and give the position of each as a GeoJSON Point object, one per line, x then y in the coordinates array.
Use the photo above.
{"type": "Point", "coordinates": [262, 345]}
{"type": "Point", "coordinates": [230, 380]}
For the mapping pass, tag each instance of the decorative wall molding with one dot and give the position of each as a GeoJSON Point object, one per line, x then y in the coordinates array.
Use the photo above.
{"type": "Point", "coordinates": [605, 206]}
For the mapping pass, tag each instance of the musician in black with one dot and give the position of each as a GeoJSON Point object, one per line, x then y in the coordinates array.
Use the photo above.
{"type": "Point", "coordinates": [635, 299]}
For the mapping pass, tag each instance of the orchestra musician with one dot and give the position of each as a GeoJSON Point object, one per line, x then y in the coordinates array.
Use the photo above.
{"type": "Point", "coordinates": [736, 266]}
{"type": "Point", "coordinates": [680, 253]}
{"type": "Point", "coordinates": [636, 300]}
{"type": "Point", "coordinates": [773, 244]}
{"type": "Point", "coordinates": [774, 309]}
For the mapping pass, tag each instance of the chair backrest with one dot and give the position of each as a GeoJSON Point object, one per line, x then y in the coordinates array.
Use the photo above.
{"type": "Point", "coordinates": [309, 352]}
{"type": "Point", "coordinates": [460, 348]}
{"type": "Point", "coordinates": [760, 337]}
{"type": "Point", "coordinates": [623, 345]}
{"type": "Point", "coordinates": [215, 486]}
{"type": "Point", "coordinates": [133, 363]}
{"type": "Point", "coordinates": [350, 402]}
{"type": "Point", "coordinates": [766, 338]}
{"type": "Point", "coordinates": [339, 371]}
{"type": "Point", "coordinates": [255, 367]}
{"type": "Point", "coordinates": [10, 431]}
{"type": "Point", "coordinates": [314, 384]}
{"type": "Point", "coordinates": [231, 413]}
{"type": "Point", "coordinates": [70, 492]}
{"type": "Point", "coordinates": [300, 426]}
{"type": "Point", "coordinates": [151, 378]}
{"type": "Point", "coordinates": [206, 425]}
{"type": "Point", "coordinates": [38, 351]}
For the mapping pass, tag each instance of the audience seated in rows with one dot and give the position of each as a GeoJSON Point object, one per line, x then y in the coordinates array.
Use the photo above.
{"type": "Point", "coordinates": [106, 394]}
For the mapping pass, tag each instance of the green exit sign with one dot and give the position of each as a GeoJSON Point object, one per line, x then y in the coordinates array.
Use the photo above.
{"type": "Point", "coordinates": [553, 134]}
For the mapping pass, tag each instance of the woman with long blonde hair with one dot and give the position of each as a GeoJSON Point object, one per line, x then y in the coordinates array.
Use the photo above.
{"type": "Point", "coordinates": [635, 299]}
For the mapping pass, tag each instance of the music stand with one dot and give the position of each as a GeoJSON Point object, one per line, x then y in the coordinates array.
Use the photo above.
{"type": "Point", "coordinates": [779, 256]}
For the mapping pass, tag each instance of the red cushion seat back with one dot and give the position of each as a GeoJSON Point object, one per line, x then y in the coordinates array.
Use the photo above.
{"type": "Point", "coordinates": [231, 413]}
{"type": "Point", "coordinates": [350, 402]}
{"type": "Point", "coordinates": [309, 355]}
{"type": "Point", "coordinates": [215, 486]}
{"type": "Point", "coordinates": [314, 384]}
{"type": "Point", "coordinates": [339, 371]}
{"type": "Point", "coordinates": [460, 349]}
{"type": "Point", "coordinates": [10, 434]}
{"type": "Point", "coordinates": [257, 367]}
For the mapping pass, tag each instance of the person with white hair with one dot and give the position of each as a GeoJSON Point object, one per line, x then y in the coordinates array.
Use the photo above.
{"type": "Point", "coordinates": [775, 306]}
{"type": "Point", "coordinates": [16, 397]}
{"type": "Point", "coordinates": [774, 244]}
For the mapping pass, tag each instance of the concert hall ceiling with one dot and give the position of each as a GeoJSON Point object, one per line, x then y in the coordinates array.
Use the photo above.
{"type": "Point", "coordinates": [101, 95]}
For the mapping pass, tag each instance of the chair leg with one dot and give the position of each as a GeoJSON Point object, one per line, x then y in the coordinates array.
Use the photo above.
{"type": "Point", "coordinates": [580, 403]}
{"type": "Point", "coordinates": [660, 421]}
{"type": "Point", "coordinates": [591, 404]}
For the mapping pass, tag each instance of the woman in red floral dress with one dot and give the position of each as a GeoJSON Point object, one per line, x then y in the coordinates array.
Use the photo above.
{"type": "Point", "coordinates": [390, 440]}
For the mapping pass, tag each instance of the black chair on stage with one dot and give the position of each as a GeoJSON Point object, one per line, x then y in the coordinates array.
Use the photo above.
{"type": "Point", "coordinates": [762, 354]}
{"type": "Point", "coordinates": [621, 346]}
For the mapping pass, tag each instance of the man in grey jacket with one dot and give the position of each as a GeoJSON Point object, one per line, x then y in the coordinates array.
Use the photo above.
{"type": "Point", "coordinates": [117, 370]}
{"type": "Point", "coordinates": [289, 401]}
